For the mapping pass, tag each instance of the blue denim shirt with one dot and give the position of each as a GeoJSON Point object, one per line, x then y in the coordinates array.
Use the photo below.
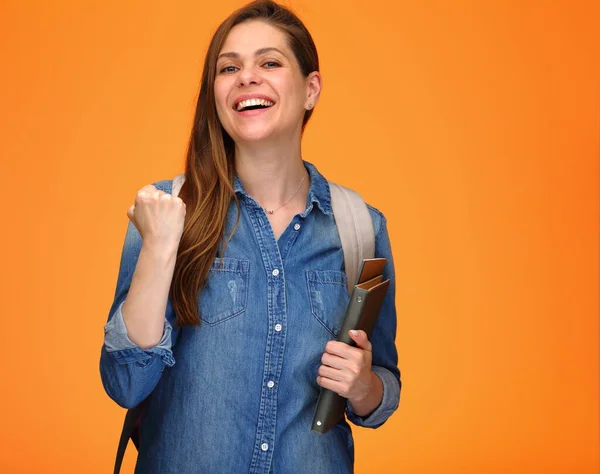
{"type": "Point", "coordinates": [238, 393]}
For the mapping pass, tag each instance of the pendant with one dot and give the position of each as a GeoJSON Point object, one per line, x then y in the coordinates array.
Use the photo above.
{"type": "Point", "coordinates": [270, 212]}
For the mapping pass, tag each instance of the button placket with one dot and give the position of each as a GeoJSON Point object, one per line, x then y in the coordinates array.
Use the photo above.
{"type": "Point", "coordinates": [273, 361]}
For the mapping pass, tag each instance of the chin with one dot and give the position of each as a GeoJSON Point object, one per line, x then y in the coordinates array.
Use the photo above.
{"type": "Point", "coordinates": [254, 135]}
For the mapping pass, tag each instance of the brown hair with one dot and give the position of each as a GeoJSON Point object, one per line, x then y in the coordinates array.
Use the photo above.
{"type": "Point", "coordinates": [210, 168]}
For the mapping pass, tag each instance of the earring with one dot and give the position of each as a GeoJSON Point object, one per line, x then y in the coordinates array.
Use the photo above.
{"type": "Point", "coordinates": [310, 106]}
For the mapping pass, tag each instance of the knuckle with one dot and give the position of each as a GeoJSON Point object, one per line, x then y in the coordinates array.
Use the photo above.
{"type": "Point", "coordinates": [149, 188]}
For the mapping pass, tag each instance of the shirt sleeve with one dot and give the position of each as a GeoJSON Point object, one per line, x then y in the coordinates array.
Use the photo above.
{"type": "Point", "coordinates": [385, 354]}
{"type": "Point", "coordinates": [129, 373]}
{"type": "Point", "coordinates": [119, 346]}
{"type": "Point", "coordinates": [388, 405]}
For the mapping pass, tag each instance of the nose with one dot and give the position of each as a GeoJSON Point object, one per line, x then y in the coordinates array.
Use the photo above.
{"type": "Point", "coordinates": [248, 76]}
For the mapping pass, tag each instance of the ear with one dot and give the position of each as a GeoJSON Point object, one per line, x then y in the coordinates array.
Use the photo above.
{"type": "Point", "coordinates": [314, 84]}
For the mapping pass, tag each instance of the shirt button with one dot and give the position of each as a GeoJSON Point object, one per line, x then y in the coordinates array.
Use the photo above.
{"type": "Point", "coordinates": [264, 446]}
{"type": "Point", "coordinates": [270, 384]}
{"type": "Point", "coordinates": [275, 272]}
{"type": "Point", "coordinates": [296, 226]}
{"type": "Point", "coordinates": [278, 327]}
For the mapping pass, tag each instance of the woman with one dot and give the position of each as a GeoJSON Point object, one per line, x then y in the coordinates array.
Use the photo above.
{"type": "Point", "coordinates": [231, 377]}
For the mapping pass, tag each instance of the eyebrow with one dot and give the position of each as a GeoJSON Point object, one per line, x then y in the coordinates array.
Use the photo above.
{"type": "Point", "coordinates": [258, 52]}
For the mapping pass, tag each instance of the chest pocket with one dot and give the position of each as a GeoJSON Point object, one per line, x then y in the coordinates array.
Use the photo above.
{"type": "Point", "coordinates": [328, 294]}
{"type": "Point", "coordinates": [225, 294]}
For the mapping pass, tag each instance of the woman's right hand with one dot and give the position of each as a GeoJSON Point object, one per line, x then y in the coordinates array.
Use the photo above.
{"type": "Point", "coordinates": [158, 217]}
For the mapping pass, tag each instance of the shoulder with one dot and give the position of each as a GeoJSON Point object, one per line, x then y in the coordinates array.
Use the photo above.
{"type": "Point", "coordinates": [379, 220]}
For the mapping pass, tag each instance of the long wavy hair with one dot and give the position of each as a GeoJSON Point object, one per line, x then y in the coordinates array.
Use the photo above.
{"type": "Point", "coordinates": [210, 166]}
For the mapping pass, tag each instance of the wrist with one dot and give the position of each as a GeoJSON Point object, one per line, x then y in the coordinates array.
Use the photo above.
{"type": "Point", "coordinates": [163, 251]}
{"type": "Point", "coordinates": [367, 403]}
{"type": "Point", "coordinates": [365, 395]}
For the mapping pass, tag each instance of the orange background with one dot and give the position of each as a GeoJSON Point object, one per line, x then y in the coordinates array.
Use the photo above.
{"type": "Point", "coordinates": [474, 126]}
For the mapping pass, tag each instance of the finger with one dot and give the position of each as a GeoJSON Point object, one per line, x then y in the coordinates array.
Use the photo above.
{"type": "Point", "coordinates": [361, 339]}
{"type": "Point", "coordinates": [130, 212]}
{"type": "Point", "coordinates": [331, 373]}
{"type": "Point", "coordinates": [149, 188]}
{"type": "Point", "coordinates": [338, 387]}
{"type": "Point", "coordinates": [167, 201]}
{"type": "Point", "coordinates": [334, 361]}
{"type": "Point", "coordinates": [342, 349]}
{"type": "Point", "coordinates": [143, 196]}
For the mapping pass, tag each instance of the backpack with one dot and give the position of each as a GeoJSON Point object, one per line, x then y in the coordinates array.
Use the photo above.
{"type": "Point", "coordinates": [357, 235]}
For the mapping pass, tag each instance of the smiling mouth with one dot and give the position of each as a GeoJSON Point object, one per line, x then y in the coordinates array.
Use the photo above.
{"type": "Point", "coordinates": [253, 104]}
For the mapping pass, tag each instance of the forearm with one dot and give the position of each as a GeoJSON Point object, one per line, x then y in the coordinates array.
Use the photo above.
{"type": "Point", "coordinates": [372, 400]}
{"type": "Point", "coordinates": [145, 305]}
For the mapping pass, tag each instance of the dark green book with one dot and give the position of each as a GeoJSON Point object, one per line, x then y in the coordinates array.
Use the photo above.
{"type": "Point", "coordinates": [365, 302]}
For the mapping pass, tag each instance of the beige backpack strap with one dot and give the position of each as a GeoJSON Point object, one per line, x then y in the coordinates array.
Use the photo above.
{"type": "Point", "coordinates": [177, 183]}
{"type": "Point", "coordinates": [355, 227]}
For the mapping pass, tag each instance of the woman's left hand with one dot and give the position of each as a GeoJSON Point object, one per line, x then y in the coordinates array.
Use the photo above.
{"type": "Point", "coordinates": [346, 370]}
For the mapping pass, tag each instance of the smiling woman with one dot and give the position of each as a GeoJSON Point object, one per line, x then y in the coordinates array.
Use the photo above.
{"type": "Point", "coordinates": [271, 73]}
{"type": "Point", "coordinates": [211, 330]}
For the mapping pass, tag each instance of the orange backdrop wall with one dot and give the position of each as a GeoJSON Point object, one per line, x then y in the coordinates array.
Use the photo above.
{"type": "Point", "coordinates": [480, 124]}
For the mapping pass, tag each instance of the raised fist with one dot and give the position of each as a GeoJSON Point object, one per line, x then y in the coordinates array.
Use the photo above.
{"type": "Point", "coordinates": [157, 216]}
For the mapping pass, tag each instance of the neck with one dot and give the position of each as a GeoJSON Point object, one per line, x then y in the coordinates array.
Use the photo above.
{"type": "Point", "coordinates": [272, 175]}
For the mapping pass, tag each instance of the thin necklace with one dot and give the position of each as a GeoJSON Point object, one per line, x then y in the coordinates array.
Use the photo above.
{"type": "Point", "coordinates": [272, 211]}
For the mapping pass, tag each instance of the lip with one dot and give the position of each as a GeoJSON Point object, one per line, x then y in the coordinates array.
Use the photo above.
{"type": "Point", "coordinates": [251, 96]}
{"type": "Point", "coordinates": [252, 113]}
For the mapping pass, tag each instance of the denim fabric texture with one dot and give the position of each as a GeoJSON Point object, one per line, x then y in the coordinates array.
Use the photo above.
{"type": "Point", "coordinates": [238, 393]}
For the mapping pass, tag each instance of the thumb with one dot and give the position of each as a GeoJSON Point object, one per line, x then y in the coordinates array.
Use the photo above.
{"type": "Point", "coordinates": [130, 212]}
{"type": "Point", "coordinates": [361, 339]}
{"type": "Point", "coordinates": [131, 215]}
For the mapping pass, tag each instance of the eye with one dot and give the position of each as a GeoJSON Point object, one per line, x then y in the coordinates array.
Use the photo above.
{"type": "Point", "coordinates": [228, 69]}
{"type": "Point", "coordinates": [271, 64]}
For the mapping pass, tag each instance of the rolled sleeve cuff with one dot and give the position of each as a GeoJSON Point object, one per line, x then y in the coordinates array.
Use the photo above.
{"type": "Point", "coordinates": [124, 351]}
{"type": "Point", "coordinates": [389, 402]}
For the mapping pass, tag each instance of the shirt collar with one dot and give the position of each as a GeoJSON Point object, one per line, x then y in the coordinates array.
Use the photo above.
{"type": "Point", "coordinates": [318, 192]}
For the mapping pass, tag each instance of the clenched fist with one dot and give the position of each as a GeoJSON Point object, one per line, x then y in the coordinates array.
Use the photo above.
{"type": "Point", "coordinates": [158, 216]}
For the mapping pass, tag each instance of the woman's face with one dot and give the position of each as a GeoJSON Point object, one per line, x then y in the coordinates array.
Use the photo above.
{"type": "Point", "coordinates": [260, 92]}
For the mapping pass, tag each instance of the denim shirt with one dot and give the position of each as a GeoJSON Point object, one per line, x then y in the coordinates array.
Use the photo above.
{"type": "Point", "coordinates": [238, 393]}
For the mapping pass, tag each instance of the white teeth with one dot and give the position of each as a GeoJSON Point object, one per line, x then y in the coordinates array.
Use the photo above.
{"type": "Point", "coordinates": [253, 102]}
